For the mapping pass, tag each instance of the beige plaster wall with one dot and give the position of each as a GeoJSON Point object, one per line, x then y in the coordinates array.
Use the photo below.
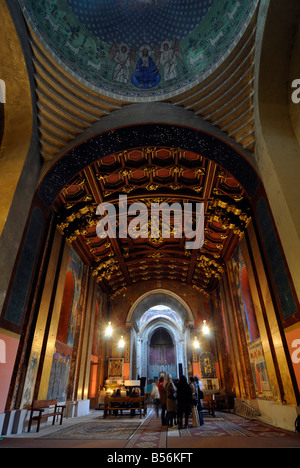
{"type": "Point", "coordinates": [17, 110]}
{"type": "Point", "coordinates": [277, 144]}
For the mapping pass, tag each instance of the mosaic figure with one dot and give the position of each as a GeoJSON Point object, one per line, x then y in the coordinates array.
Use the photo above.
{"type": "Point", "coordinates": [147, 73]}
{"type": "Point", "coordinates": [121, 71]}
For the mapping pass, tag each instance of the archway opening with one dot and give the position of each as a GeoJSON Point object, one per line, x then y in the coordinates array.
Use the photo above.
{"type": "Point", "coordinates": [162, 339]}
{"type": "Point", "coordinates": [162, 355]}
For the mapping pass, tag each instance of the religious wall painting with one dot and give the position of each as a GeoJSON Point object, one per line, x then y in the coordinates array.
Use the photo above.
{"type": "Point", "coordinates": [98, 321]}
{"type": "Point", "coordinates": [60, 370]}
{"type": "Point", "coordinates": [115, 368]}
{"type": "Point", "coordinates": [76, 268]}
{"type": "Point", "coordinates": [30, 379]}
{"type": "Point", "coordinates": [208, 366]}
{"type": "Point", "coordinates": [242, 295]}
{"type": "Point", "coordinates": [208, 372]}
{"type": "Point", "coordinates": [249, 332]}
{"type": "Point", "coordinates": [67, 329]}
{"type": "Point", "coordinates": [259, 371]}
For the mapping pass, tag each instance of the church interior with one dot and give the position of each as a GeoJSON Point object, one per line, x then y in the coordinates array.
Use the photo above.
{"type": "Point", "coordinates": [125, 105]}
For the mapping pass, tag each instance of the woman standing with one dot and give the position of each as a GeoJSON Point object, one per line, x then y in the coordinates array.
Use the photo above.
{"type": "Point", "coordinates": [195, 414]}
{"type": "Point", "coordinates": [171, 400]}
{"type": "Point", "coordinates": [155, 397]}
{"type": "Point", "coordinates": [162, 400]}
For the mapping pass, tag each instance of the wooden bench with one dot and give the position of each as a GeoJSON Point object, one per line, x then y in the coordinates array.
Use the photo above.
{"type": "Point", "coordinates": [125, 403]}
{"type": "Point", "coordinates": [39, 406]}
{"type": "Point", "coordinates": [208, 403]}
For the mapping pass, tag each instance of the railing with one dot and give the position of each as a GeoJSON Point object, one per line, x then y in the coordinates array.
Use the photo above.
{"type": "Point", "coordinates": [246, 411]}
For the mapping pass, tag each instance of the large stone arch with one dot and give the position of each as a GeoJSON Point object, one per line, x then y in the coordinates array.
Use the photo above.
{"type": "Point", "coordinates": [277, 121]}
{"type": "Point", "coordinates": [20, 162]}
{"type": "Point", "coordinates": [152, 124]}
{"type": "Point", "coordinates": [159, 297]}
{"type": "Point", "coordinates": [180, 336]}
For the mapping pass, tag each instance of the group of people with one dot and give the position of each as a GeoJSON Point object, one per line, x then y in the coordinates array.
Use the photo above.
{"type": "Point", "coordinates": [178, 400]}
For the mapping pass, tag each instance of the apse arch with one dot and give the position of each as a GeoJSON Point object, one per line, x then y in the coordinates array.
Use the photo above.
{"type": "Point", "coordinates": [149, 365]}
{"type": "Point", "coordinates": [199, 139]}
{"type": "Point", "coordinates": [159, 297]}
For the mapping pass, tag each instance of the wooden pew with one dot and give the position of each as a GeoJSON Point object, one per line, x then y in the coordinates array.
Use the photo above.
{"type": "Point", "coordinates": [125, 403]}
{"type": "Point", "coordinates": [208, 403]}
{"type": "Point", "coordinates": [39, 406]}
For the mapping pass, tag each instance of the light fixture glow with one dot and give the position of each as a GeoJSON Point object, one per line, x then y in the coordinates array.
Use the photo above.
{"type": "Point", "coordinates": [196, 343]}
{"type": "Point", "coordinates": [121, 342]}
{"type": "Point", "coordinates": [205, 328]}
{"type": "Point", "coordinates": [108, 331]}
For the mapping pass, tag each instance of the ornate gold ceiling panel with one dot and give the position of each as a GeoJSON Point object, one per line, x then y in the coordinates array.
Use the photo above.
{"type": "Point", "coordinates": [154, 175]}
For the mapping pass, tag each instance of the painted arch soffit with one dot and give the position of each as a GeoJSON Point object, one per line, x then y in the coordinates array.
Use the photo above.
{"type": "Point", "coordinates": [161, 312]}
{"type": "Point", "coordinates": [141, 49]}
{"type": "Point", "coordinates": [143, 311]}
{"type": "Point", "coordinates": [100, 170]}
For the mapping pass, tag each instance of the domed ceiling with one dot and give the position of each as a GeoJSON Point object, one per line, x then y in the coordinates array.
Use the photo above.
{"type": "Point", "coordinates": [142, 49]}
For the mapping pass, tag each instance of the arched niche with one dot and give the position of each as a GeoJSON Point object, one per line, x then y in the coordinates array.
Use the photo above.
{"type": "Point", "coordinates": [180, 338]}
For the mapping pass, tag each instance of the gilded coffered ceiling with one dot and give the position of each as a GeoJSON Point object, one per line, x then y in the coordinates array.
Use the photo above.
{"type": "Point", "coordinates": [152, 175]}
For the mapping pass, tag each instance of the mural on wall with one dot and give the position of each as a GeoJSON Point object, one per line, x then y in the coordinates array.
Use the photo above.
{"type": "Point", "coordinates": [61, 364]}
{"type": "Point", "coordinates": [147, 45]}
{"type": "Point", "coordinates": [249, 328]}
{"type": "Point", "coordinates": [98, 323]}
{"type": "Point", "coordinates": [259, 371]}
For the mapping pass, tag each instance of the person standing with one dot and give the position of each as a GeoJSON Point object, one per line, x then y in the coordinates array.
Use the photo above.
{"type": "Point", "coordinates": [200, 398]}
{"type": "Point", "coordinates": [195, 414]}
{"type": "Point", "coordinates": [171, 400]}
{"type": "Point", "coordinates": [162, 400]}
{"type": "Point", "coordinates": [155, 397]}
{"type": "Point", "coordinates": [184, 400]}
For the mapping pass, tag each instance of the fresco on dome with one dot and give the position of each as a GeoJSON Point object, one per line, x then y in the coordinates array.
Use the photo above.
{"type": "Point", "coordinates": [154, 311]}
{"type": "Point", "coordinates": [138, 48]}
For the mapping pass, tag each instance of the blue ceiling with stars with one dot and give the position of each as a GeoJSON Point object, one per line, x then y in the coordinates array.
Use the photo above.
{"type": "Point", "coordinates": [143, 49]}
{"type": "Point", "coordinates": [139, 22]}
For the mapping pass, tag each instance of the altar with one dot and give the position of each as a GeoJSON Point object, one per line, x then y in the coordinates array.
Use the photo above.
{"type": "Point", "coordinates": [123, 404]}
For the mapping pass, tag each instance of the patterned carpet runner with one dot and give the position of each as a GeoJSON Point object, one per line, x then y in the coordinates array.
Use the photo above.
{"type": "Point", "coordinates": [149, 432]}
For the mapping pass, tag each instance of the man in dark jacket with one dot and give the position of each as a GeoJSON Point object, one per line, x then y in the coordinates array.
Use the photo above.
{"type": "Point", "coordinates": [200, 398]}
{"type": "Point", "coordinates": [184, 400]}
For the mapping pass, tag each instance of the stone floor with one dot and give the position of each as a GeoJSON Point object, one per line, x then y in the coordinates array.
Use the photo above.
{"type": "Point", "coordinates": [92, 431]}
